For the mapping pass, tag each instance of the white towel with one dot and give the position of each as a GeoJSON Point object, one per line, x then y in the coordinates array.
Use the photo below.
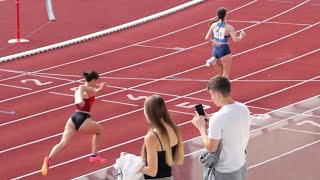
{"type": "Point", "coordinates": [128, 166]}
{"type": "Point", "coordinates": [77, 97]}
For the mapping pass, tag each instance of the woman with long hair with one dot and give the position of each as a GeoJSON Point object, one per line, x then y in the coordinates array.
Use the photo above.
{"type": "Point", "coordinates": [162, 146]}
{"type": "Point", "coordinates": [218, 35]}
{"type": "Point", "coordinates": [80, 121]}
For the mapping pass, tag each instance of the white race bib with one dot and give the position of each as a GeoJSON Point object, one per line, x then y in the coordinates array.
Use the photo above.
{"type": "Point", "coordinates": [219, 33]}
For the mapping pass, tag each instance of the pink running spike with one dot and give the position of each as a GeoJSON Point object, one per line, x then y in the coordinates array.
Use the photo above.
{"type": "Point", "coordinates": [97, 159]}
{"type": "Point", "coordinates": [45, 166]}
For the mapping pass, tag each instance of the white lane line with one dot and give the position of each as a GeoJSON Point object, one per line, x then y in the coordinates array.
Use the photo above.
{"type": "Point", "coordinates": [308, 122]}
{"type": "Point", "coordinates": [38, 91]}
{"type": "Point", "coordinates": [54, 74]}
{"type": "Point", "coordinates": [22, 73]}
{"type": "Point", "coordinates": [30, 143]}
{"type": "Point", "coordinates": [17, 87]}
{"type": "Point", "coordinates": [158, 47]}
{"type": "Point", "coordinates": [267, 109]}
{"type": "Point", "coordinates": [270, 22]}
{"type": "Point", "coordinates": [205, 80]}
{"type": "Point", "coordinates": [283, 120]}
{"type": "Point", "coordinates": [279, 64]}
{"type": "Point", "coordinates": [268, 160]}
{"type": "Point", "coordinates": [180, 112]}
{"type": "Point", "coordinates": [13, 77]}
{"type": "Point", "coordinates": [51, 77]}
{"type": "Point", "coordinates": [284, 23]}
{"type": "Point", "coordinates": [117, 102]}
{"type": "Point", "coordinates": [8, 112]}
{"type": "Point", "coordinates": [286, 112]}
{"type": "Point", "coordinates": [104, 100]}
{"type": "Point", "coordinates": [280, 1]}
{"type": "Point", "coordinates": [152, 92]}
{"type": "Point", "coordinates": [13, 71]}
{"type": "Point", "coordinates": [284, 89]}
{"type": "Point", "coordinates": [62, 94]}
{"type": "Point", "coordinates": [300, 131]}
{"type": "Point", "coordinates": [284, 154]}
{"type": "Point", "coordinates": [117, 87]}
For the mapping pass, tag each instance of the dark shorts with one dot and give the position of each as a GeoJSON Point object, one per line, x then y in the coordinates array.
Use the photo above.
{"type": "Point", "coordinates": [221, 50]}
{"type": "Point", "coordinates": [78, 118]}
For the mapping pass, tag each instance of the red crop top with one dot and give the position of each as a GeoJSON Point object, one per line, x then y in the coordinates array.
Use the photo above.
{"type": "Point", "coordinates": [87, 104]}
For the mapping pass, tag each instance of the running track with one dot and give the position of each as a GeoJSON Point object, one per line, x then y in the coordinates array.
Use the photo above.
{"type": "Point", "coordinates": [36, 27]}
{"type": "Point", "coordinates": [271, 70]}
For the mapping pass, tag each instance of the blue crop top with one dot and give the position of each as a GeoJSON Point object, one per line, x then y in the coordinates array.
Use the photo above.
{"type": "Point", "coordinates": [219, 33]}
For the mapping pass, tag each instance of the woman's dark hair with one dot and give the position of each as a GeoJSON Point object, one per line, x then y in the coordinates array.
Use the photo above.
{"type": "Point", "coordinates": [90, 75]}
{"type": "Point", "coordinates": [221, 14]}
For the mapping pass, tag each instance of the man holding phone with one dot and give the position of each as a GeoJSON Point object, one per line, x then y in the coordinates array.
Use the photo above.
{"type": "Point", "coordinates": [230, 125]}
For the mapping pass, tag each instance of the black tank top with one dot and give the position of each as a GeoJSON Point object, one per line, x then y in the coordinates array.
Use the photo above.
{"type": "Point", "coordinates": [163, 169]}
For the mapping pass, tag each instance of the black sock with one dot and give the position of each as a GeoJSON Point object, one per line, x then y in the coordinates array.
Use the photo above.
{"type": "Point", "coordinates": [93, 155]}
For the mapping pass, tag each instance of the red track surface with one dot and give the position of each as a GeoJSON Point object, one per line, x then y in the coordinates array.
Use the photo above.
{"type": "Point", "coordinates": [73, 19]}
{"type": "Point", "coordinates": [41, 114]}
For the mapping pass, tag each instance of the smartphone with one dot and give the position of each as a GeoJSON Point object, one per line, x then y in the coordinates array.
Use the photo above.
{"type": "Point", "coordinates": [199, 109]}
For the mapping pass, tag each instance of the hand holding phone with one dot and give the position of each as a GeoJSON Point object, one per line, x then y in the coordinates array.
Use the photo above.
{"type": "Point", "coordinates": [200, 110]}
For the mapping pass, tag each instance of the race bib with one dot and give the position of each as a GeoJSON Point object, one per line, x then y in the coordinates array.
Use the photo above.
{"type": "Point", "coordinates": [219, 33]}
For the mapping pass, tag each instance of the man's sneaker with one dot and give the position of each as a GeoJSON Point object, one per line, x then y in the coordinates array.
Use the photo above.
{"type": "Point", "coordinates": [96, 159]}
{"type": "Point", "coordinates": [45, 166]}
{"type": "Point", "coordinates": [210, 61]}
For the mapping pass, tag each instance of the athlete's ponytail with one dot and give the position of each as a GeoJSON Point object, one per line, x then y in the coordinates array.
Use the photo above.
{"type": "Point", "coordinates": [221, 14]}
{"type": "Point", "coordinates": [215, 19]}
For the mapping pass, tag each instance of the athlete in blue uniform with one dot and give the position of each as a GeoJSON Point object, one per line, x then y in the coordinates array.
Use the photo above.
{"type": "Point", "coordinates": [218, 35]}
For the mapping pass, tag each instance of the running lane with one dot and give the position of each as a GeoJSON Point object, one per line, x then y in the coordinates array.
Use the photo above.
{"type": "Point", "coordinates": [85, 18]}
{"type": "Point", "coordinates": [139, 131]}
